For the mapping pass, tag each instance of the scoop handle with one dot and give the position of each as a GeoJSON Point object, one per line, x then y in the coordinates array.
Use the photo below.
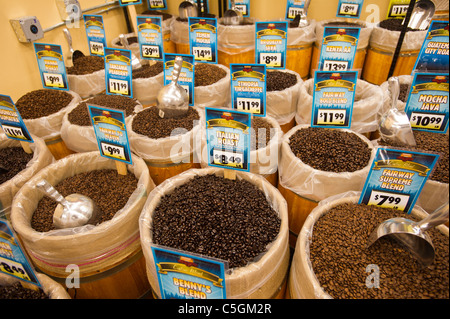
{"type": "Point", "coordinates": [394, 87]}
{"type": "Point", "coordinates": [68, 38]}
{"type": "Point", "coordinates": [51, 192]}
{"type": "Point", "coordinates": [124, 41]}
{"type": "Point", "coordinates": [438, 217]}
{"type": "Point", "coordinates": [177, 69]}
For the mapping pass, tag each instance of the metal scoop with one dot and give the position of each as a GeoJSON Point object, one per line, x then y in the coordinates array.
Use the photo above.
{"type": "Point", "coordinates": [394, 125]}
{"type": "Point", "coordinates": [232, 16]}
{"type": "Point", "coordinates": [187, 9]}
{"type": "Point", "coordinates": [413, 234]}
{"type": "Point", "coordinates": [422, 14]}
{"type": "Point", "coordinates": [172, 99]}
{"type": "Point", "coordinates": [73, 210]}
{"type": "Point", "coordinates": [74, 54]}
{"type": "Point", "coordinates": [135, 62]}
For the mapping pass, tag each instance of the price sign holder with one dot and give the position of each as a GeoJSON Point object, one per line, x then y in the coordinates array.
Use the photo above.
{"type": "Point", "coordinates": [95, 33]}
{"type": "Point", "coordinates": [12, 123]}
{"type": "Point", "coordinates": [124, 3]}
{"type": "Point", "coordinates": [241, 6]}
{"type": "Point", "coordinates": [294, 8]}
{"type": "Point", "coordinates": [349, 9]}
{"type": "Point", "coordinates": [118, 72]}
{"type": "Point", "coordinates": [228, 140]}
{"type": "Point", "coordinates": [434, 54]}
{"type": "Point", "coordinates": [271, 44]}
{"type": "Point", "coordinates": [13, 260]}
{"type": "Point", "coordinates": [150, 37]}
{"type": "Point", "coordinates": [396, 178]}
{"type": "Point", "coordinates": [248, 88]}
{"type": "Point", "coordinates": [333, 99]}
{"type": "Point", "coordinates": [185, 275]}
{"type": "Point", "coordinates": [397, 9]}
{"type": "Point", "coordinates": [187, 74]}
{"type": "Point", "coordinates": [157, 4]}
{"type": "Point", "coordinates": [427, 104]}
{"type": "Point", "coordinates": [51, 66]}
{"type": "Point", "coordinates": [111, 133]}
{"type": "Point", "coordinates": [338, 48]}
{"type": "Point", "coordinates": [203, 39]}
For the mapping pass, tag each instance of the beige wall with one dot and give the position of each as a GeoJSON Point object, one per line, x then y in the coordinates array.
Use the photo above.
{"type": "Point", "coordinates": [19, 71]}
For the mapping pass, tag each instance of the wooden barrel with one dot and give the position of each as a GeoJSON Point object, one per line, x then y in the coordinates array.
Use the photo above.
{"type": "Point", "coordinates": [236, 44]}
{"type": "Point", "coordinates": [50, 287]}
{"type": "Point", "coordinates": [49, 128]}
{"type": "Point", "coordinates": [179, 35]}
{"type": "Point", "coordinates": [261, 279]}
{"type": "Point", "coordinates": [99, 251]}
{"type": "Point", "coordinates": [381, 50]}
{"type": "Point", "coordinates": [165, 157]}
{"type": "Point", "coordinates": [282, 105]}
{"type": "Point", "coordinates": [300, 47]}
{"type": "Point", "coordinates": [41, 158]}
{"type": "Point", "coordinates": [303, 283]}
{"type": "Point", "coordinates": [367, 105]}
{"type": "Point", "coordinates": [304, 186]}
{"type": "Point", "coordinates": [363, 42]}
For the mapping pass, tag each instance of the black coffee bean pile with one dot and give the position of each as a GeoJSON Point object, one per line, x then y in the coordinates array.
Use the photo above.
{"type": "Point", "coordinates": [148, 71]}
{"type": "Point", "coordinates": [108, 189]}
{"type": "Point", "coordinates": [404, 91]}
{"type": "Point", "coordinates": [260, 125]}
{"type": "Point", "coordinates": [394, 25]}
{"type": "Point", "coordinates": [339, 257]}
{"type": "Point", "coordinates": [17, 291]}
{"type": "Point", "coordinates": [80, 114]}
{"type": "Point", "coordinates": [86, 65]}
{"type": "Point", "coordinates": [330, 150]}
{"type": "Point", "coordinates": [149, 123]}
{"type": "Point", "coordinates": [13, 160]}
{"type": "Point", "coordinates": [43, 102]}
{"type": "Point", "coordinates": [216, 217]}
{"type": "Point", "coordinates": [343, 24]}
{"type": "Point", "coordinates": [434, 143]}
{"type": "Point", "coordinates": [131, 40]}
{"type": "Point", "coordinates": [279, 81]}
{"type": "Point", "coordinates": [207, 74]}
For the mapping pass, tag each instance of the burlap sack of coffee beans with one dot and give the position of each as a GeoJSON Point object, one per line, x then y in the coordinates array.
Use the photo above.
{"type": "Point", "coordinates": [212, 85]}
{"type": "Point", "coordinates": [77, 131]}
{"type": "Point", "coordinates": [258, 278]}
{"type": "Point", "coordinates": [40, 158]}
{"type": "Point", "coordinates": [43, 110]}
{"type": "Point", "coordinates": [50, 288]}
{"type": "Point", "coordinates": [331, 259]}
{"type": "Point", "coordinates": [86, 245]}
{"type": "Point", "coordinates": [367, 105]}
{"type": "Point", "coordinates": [147, 82]}
{"type": "Point", "coordinates": [335, 161]}
{"type": "Point", "coordinates": [163, 139]}
{"type": "Point", "coordinates": [91, 80]}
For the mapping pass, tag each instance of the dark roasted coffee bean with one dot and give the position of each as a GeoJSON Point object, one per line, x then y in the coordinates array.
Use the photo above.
{"type": "Point", "coordinates": [149, 123]}
{"type": "Point", "coordinates": [261, 133]}
{"type": "Point", "coordinates": [339, 257]}
{"type": "Point", "coordinates": [207, 74]}
{"type": "Point", "coordinates": [217, 217]}
{"type": "Point", "coordinates": [394, 25]}
{"type": "Point", "coordinates": [330, 150]}
{"type": "Point", "coordinates": [17, 291]}
{"type": "Point", "coordinates": [109, 190]}
{"type": "Point", "coordinates": [86, 65]}
{"type": "Point", "coordinates": [13, 160]}
{"type": "Point", "coordinates": [80, 114]}
{"type": "Point", "coordinates": [148, 71]}
{"type": "Point", "coordinates": [44, 102]}
{"type": "Point", "coordinates": [279, 80]}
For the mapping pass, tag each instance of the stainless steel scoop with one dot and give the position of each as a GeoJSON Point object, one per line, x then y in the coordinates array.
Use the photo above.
{"type": "Point", "coordinates": [394, 125]}
{"type": "Point", "coordinates": [187, 9]}
{"type": "Point", "coordinates": [73, 210]}
{"type": "Point", "coordinates": [135, 62]}
{"type": "Point", "coordinates": [413, 234]}
{"type": "Point", "coordinates": [232, 16]}
{"type": "Point", "coordinates": [172, 99]}
{"type": "Point", "coordinates": [422, 14]}
{"type": "Point", "coordinates": [74, 54]}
